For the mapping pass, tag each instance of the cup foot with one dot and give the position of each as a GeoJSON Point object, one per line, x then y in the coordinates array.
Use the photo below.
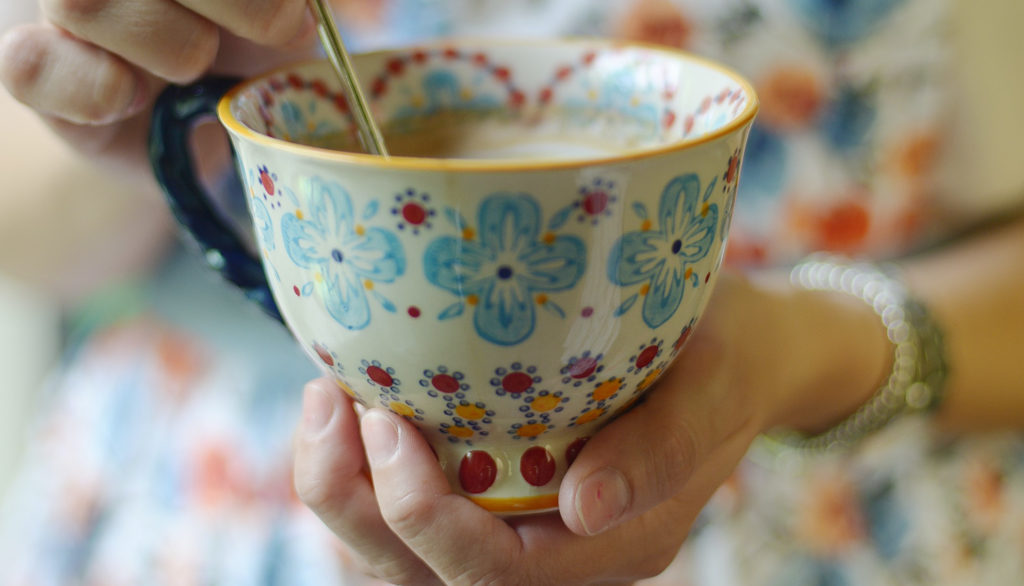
{"type": "Point", "coordinates": [512, 477]}
{"type": "Point", "coordinates": [519, 506]}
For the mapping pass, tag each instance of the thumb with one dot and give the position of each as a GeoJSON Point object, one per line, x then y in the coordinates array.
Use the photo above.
{"type": "Point", "coordinates": [651, 453]}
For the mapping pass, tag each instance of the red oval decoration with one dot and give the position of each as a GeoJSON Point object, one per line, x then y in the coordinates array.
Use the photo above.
{"type": "Point", "coordinates": [477, 472]}
{"type": "Point", "coordinates": [537, 466]}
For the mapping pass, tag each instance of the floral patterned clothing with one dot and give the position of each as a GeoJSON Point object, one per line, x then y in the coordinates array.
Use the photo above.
{"type": "Point", "coordinates": [165, 460]}
{"type": "Point", "coordinates": [855, 101]}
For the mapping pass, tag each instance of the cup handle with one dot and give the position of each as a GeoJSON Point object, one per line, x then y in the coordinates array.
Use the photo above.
{"type": "Point", "coordinates": [175, 114]}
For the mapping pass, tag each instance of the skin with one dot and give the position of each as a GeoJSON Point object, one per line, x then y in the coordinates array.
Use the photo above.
{"type": "Point", "coordinates": [671, 453]}
{"type": "Point", "coordinates": [732, 382]}
{"type": "Point", "coordinates": [759, 360]}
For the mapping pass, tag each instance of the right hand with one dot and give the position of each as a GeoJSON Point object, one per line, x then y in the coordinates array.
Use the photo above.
{"type": "Point", "coordinates": [94, 67]}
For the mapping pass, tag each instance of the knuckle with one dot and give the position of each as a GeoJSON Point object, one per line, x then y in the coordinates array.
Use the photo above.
{"type": "Point", "coordinates": [198, 53]}
{"type": "Point", "coordinates": [23, 57]}
{"type": "Point", "coordinates": [113, 89]}
{"type": "Point", "coordinates": [66, 12]}
{"type": "Point", "coordinates": [409, 513]}
{"type": "Point", "coordinates": [313, 491]}
{"type": "Point", "coordinates": [276, 24]}
{"type": "Point", "coordinates": [673, 458]}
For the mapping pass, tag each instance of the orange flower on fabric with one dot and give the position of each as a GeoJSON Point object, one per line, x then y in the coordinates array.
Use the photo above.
{"type": "Point", "coordinates": [656, 21]}
{"type": "Point", "coordinates": [791, 97]}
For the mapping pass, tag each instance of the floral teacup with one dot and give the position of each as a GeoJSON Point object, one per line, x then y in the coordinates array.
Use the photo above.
{"type": "Point", "coordinates": [526, 267]}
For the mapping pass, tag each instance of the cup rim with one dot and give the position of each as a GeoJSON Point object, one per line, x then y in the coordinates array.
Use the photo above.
{"type": "Point", "coordinates": [235, 126]}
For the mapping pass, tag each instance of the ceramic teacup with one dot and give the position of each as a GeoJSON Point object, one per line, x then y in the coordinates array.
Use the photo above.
{"type": "Point", "coordinates": [527, 265]}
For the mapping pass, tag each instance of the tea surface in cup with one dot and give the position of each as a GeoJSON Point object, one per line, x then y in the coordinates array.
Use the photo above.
{"type": "Point", "coordinates": [459, 134]}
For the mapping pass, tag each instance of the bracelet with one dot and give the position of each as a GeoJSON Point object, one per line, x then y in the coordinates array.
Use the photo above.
{"type": "Point", "coordinates": [919, 370]}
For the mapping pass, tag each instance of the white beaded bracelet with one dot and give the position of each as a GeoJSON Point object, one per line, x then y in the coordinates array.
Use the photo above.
{"type": "Point", "coordinates": [919, 369]}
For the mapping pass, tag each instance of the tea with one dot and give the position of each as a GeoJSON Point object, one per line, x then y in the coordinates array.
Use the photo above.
{"type": "Point", "coordinates": [458, 134]}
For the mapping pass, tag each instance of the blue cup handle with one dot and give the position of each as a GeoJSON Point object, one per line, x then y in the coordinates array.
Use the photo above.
{"type": "Point", "coordinates": [175, 115]}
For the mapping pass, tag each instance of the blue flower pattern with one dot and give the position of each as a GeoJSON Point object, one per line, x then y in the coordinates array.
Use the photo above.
{"type": "Point", "coordinates": [345, 255]}
{"type": "Point", "coordinates": [443, 92]}
{"type": "Point", "coordinates": [842, 22]}
{"type": "Point", "coordinates": [686, 231]}
{"type": "Point", "coordinates": [263, 223]}
{"type": "Point", "coordinates": [500, 272]}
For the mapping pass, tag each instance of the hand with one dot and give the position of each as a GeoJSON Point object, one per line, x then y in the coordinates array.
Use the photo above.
{"type": "Point", "coordinates": [95, 67]}
{"type": "Point", "coordinates": [626, 503]}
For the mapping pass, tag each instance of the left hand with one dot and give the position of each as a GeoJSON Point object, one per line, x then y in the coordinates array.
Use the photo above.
{"type": "Point", "coordinates": [626, 503]}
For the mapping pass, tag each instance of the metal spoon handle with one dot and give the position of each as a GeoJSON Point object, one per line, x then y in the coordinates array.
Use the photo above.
{"type": "Point", "coordinates": [371, 136]}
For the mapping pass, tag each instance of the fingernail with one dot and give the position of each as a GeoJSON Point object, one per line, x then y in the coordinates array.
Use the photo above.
{"type": "Point", "coordinates": [317, 409]}
{"type": "Point", "coordinates": [601, 499]}
{"type": "Point", "coordinates": [380, 436]}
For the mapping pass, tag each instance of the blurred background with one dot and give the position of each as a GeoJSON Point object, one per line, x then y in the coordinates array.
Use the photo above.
{"type": "Point", "coordinates": [67, 230]}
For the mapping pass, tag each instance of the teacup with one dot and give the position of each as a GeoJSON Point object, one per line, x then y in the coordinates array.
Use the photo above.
{"type": "Point", "coordinates": [529, 262]}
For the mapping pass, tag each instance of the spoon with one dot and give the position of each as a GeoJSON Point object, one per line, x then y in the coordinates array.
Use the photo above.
{"type": "Point", "coordinates": [369, 132]}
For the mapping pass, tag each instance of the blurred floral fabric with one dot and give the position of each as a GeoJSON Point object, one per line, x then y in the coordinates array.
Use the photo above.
{"type": "Point", "coordinates": [164, 455]}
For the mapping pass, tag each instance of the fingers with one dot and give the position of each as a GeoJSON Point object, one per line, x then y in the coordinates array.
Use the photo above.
{"type": "Point", "coordinates": [330, 480]}
{"type": "Point", "coordinates": [268, 22]}
{"type": "Point", "coordinates": [61, 76]}
{"type": "Point", "coordinates": [649, 455]}
{"type": "Point", "coordinates": [176, 40]}
{"type": "Point", "coordinates": [161, 37]}
{"type": "Point", "coordinates": [457, 540]}
{"type": "Point", "coordinates": [462, 542]}
{"type": "Point", "coordinates": [640, 547]}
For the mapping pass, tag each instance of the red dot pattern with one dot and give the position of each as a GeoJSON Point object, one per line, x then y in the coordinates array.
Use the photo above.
{"type": "Point", "coordinates": [445, 383]}
{"type": "Point", "coordinates": [646, 356]}
{"type": "Point", "coordinates": [596, 202]}
{"type": "Point", "coordinates": [516, 382]}
{"type": "Point", "coordinates": [324, 355]}
{"type": "Point", "coordinates": [380, 376]}
{"type": "Point", "coordinates": [583, 367]}
{"type": "Point", "coordinates": [414, 213]}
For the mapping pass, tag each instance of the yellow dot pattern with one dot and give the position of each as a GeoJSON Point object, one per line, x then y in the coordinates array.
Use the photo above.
{"type": "Point", "coordinates": [402, 409]}
{"type": "Point", "coordinates": [589, 416]}
{"type": "Point", "coordinates": [470, 412]}
{"type": "Point", "coordinates": [649, 379]}
{"type": "Point", "coordinates": [607, 389]}
{"type": "Point", "coordinates": [532, 430]}
{"type": "Point", "coordinates": [545, 403]}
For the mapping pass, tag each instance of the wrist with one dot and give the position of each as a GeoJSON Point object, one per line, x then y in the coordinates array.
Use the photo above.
{"type": "Point", "coordinates": [829, 356]}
